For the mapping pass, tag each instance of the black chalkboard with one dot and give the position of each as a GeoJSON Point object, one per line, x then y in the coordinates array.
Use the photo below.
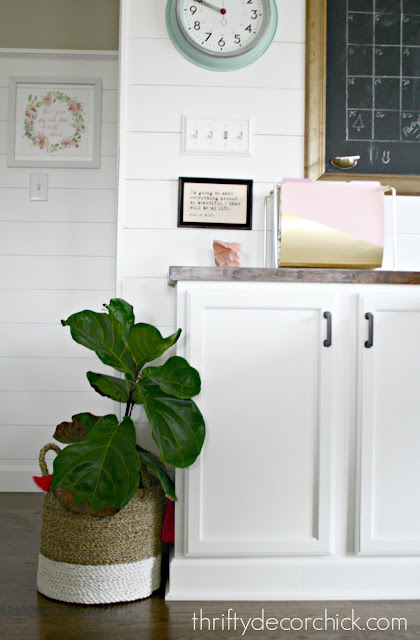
{"type": "Point", "coordinates": [373, 85]}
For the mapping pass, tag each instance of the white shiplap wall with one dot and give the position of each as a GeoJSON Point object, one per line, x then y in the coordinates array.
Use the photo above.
{"type": "Point", "coordinates": [159, 86]}
{"type": "Point", "coordinates": [56, 258]}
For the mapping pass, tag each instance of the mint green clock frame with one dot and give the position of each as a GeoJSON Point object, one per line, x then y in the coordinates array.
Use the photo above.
{"type": "Point", "coordinates": [219, 62]}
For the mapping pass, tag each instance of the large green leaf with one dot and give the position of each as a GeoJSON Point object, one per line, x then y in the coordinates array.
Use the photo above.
{"type": "Point", "coordinates": [177, 428]}
{"type": "Point", "coordinates": [101, 474]}
{"type": "Point", "coordinates": [175, 377]}
{"type": "Point", "coordinates": [98, 332]}
{"type": "Point", "coordinates": [156, 468]}
{"type": "Point", "coordinates": [120, 311]}
{"type": "Point", "coordinates": [146, 343]}
{"type": "Point", "coordinates": [75, 430]}
{"type": "Point", "coordinates": [116, 388]}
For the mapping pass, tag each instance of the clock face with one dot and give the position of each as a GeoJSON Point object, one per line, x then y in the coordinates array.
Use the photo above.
{"type": "Point", "coordinates": [223, 28]}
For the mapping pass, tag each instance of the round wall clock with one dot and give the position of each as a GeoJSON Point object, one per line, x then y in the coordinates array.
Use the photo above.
{"type": "Point", "coordinates": [221, 35]}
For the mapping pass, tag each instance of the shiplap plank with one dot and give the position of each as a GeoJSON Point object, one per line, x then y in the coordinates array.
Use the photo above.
{"type": "Point", "coordinates": [110, 105]}
{"type": "Point", "coordinates": [274, 111]}
{"type": "Point", "coordinates": [408, 252]}
{"type": "Point", "coordinates": [150, 204]}
{"type": "Point", "coordinates": [48, 374]}
{"type": "Point", "coordinates": [39, 341]}
{"type": "Point", "coordinates": [158, 156]}
{"type": "Point", "coordinates": [182, 247]}
{"type": "Point", "coordinates": [56, 272]}
{"type": "Point", "coordinates": [4, 103]}
{"type": "Point", "coordinates": [145, 439]}
{"type": "Point", "coordinates": [61, 238]}
{"type": "Point", "coordinates": [109, 139]}
{"type": "Point", "coordinates": [44, 408]}
{"type": "Point", "coordinates": [103, 178]}
{"type": "Point", "coordinates": [147, 20]}
{"type": "Point", "coordinates": [291, 21]}
{"type": "Point", "coordinates": [282, 66]}
{"type": "Point", "coordinates": [50, 66]}
{"type": "Point", "coordinates": [16, 475]}
{"type": "Point", "coordinates": [407, 214]}
{"type": "Point", "coordinates": [63, 205]}
{"type": "Point", "coordinates": [154, 204]}
{"type": "Point", "coordinates": [153, 300]}
{"type": "Point", "coordinates": [48, 307]}
{"type": "Point", "coordinates": [25, 442]}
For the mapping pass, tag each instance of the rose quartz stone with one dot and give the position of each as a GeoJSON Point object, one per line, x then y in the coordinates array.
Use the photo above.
{"type": "Point", "coordinates": [227, 254]}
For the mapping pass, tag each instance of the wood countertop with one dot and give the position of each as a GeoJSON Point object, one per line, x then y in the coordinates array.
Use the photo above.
{"type": "Point", "coordinates": [285, 274]}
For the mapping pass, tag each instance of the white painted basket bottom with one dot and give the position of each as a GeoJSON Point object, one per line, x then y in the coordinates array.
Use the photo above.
{"type": "Point", "coordinates": [102, 584]}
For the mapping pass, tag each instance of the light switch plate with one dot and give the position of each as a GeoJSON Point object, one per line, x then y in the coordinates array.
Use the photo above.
{"type": "Point", "coordinates": [38, 189]}
{"type": "Point", "coordinates": [217, 136]}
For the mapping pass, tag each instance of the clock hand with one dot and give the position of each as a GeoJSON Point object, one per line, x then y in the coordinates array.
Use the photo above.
{"type": "Point", "coordinates": [212, 6]}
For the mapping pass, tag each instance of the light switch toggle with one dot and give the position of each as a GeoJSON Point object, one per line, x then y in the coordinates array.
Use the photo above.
{"type": "Point", "coordinates": [38, 189]}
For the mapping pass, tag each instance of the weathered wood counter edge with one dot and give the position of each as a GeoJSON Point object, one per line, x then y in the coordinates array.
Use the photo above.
{"type": "Point", "coordinates": [285, 274]}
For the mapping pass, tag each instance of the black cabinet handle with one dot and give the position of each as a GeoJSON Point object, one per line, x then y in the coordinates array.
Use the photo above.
{"type": "Point", "coordinates": [328, 341]}
{"type": "Point", "coordinates": [369, 341]}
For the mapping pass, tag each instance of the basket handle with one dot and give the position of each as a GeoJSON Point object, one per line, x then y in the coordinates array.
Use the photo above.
{"type": "Point", "coordinates": [42, 463]}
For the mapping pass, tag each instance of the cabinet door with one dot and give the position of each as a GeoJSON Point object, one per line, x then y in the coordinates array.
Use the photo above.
{"type": "Point", "coordinates": [262, 483]}
{"type": "Point", "coordinates": [389, 435]}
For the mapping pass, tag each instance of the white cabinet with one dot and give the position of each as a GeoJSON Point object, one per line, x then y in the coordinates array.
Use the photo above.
{"type": "Point", "coordinates": [263, 482]}
{"type": "Point", "coordinates": [310, 467]}
{"type": "Point", "coordinates": [389, 425]}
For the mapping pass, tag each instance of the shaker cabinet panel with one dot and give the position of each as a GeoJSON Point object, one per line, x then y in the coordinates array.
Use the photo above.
{"type": "Point", "coordinates": [262, 483]}
{"type": "Point", "coordinates": [389, 429]}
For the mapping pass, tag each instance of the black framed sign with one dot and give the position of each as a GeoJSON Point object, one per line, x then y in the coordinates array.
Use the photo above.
{"type": "Point", "coordinates": [215, 202]}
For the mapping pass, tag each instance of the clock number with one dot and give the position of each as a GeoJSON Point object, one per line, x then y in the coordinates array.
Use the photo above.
{"type": "Point", "coordinates": [250, 2]}
{"type": "Point", "coordinates": [197, 25]}
{"type": "Point", "coordinates": [193, 9]}
{"type": "Point", "coordinates": [248, 28]}
{"type": "Point", "coordinates": [221, 43]}
{"type": "Point", "coordinates": [254, 14]}
{"type": "Point", "coordinates": [208, 34]}
{"type": "Point", "coordinates": [237, 38]}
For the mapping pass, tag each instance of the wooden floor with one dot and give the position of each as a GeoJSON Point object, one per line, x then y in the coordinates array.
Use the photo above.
{"type": "Point", "coordinates": [26, 615]}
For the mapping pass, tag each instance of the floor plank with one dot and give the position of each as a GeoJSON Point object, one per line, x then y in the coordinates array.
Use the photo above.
{"type": "Point", "coordinates": [27, 615]}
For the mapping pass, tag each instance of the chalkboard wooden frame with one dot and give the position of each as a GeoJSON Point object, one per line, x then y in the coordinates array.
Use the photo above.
{"type": "Point", "coordinates": [315, 109]}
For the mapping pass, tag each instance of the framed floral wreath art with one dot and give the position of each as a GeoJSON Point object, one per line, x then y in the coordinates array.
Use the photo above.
{"type": "Point", "coordinates": [54, 122]}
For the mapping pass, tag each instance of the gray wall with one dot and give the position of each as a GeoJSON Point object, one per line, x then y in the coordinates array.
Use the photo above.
{"type": "Point", "coordinates": [59, 24]}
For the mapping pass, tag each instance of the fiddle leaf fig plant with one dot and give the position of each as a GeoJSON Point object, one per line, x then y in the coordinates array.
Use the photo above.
{"type": "Point", "coordinates": [98, 472]}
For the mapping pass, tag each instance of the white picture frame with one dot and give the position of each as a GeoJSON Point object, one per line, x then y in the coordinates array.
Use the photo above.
{"type": "Point", "coordinates": [54, 122]}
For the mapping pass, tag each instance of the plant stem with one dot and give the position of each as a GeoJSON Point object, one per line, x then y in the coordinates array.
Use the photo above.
{"type": "Point", "coordinates": [130, 404]}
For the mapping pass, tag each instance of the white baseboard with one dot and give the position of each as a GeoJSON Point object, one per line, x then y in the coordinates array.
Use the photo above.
{"type": "Point", "coordinates": [16, 475]}
{"type": "Point", "coordinates": [351, 578]}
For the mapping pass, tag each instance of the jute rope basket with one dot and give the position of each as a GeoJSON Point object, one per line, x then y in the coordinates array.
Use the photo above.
{"type": "Point", "coordinates": [99, 560]}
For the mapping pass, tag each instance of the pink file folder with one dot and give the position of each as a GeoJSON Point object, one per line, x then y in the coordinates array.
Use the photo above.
{"type": "Point", "coordinates": [330, 224]}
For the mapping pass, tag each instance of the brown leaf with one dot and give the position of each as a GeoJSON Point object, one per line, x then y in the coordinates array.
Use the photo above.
{"type": "Point", "coordinates": [66, 498]}
{"type": "Point", "coordinates": [75, 430]}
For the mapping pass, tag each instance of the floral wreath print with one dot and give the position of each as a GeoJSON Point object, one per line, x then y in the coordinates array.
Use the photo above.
{"type": "Point", "coordinates": [41, 140]}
